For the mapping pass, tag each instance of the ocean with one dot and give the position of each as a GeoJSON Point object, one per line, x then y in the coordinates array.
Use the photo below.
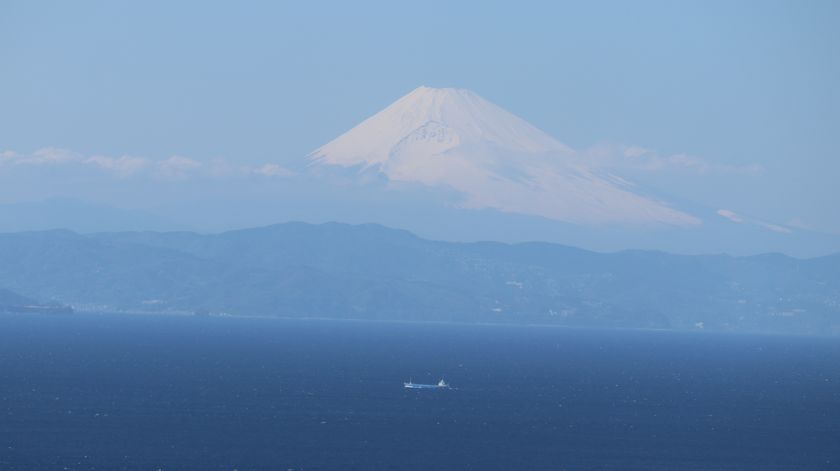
{"type": "Point", "coordinates": [136, 392]}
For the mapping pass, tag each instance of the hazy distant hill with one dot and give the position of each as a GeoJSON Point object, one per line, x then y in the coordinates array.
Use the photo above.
{"type": "Point", "coordinates": [15, 303]}
{"type": "Point", "coordinates": [75, 214]}
{"type": "Point", "coordinates": [8, 298]}
{"type": "Point", "coordinates": [369, 271]}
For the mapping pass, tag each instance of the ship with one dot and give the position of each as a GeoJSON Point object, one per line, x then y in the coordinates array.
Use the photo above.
{"type": "Point", "coordinates": [440, 385]}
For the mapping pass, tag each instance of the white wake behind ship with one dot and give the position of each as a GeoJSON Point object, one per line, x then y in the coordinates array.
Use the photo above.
{"type": "Point", "coordinates": [440, 385]}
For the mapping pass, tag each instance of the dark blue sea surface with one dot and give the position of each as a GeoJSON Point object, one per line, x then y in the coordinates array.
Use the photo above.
{"type": "Point", "coordinates": [111, 392]}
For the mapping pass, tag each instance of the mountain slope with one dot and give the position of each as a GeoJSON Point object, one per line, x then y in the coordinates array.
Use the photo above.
{"type": "Point", "coordinates": [373, 272]}
{"type": "Point", "coordinates": [455, 139]}
{"type": "Point", "coordinates": [9, 298]}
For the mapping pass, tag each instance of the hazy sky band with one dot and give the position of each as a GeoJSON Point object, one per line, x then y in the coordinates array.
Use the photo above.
{"type": "Point", "coordinates": [736, 85]}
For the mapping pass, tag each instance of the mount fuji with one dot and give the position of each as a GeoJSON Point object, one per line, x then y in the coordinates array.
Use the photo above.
{"type": "Point", "coordinates": [454, 139]}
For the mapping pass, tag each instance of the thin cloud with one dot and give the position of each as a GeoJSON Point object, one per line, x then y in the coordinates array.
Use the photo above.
{"type": "Point", "coordinates": [273, 170]}
{"type": "Point", "coordinates": [122, 167]}
{"type": "Point", "coordinates": [647, 160]}
{"type": "Point", "coordinates": [739, 219]}
{"type": "Point", "coordinates": [731, 215]}
{"type": "Point", "coordinates": [774, 227]}
{"type": "Point", "coordinates": [44, 156]}
{"type": "Point", "coordinates": [176, 167]}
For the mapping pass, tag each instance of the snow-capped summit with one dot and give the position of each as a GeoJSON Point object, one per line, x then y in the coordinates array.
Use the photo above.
{"type": "Point", "coordinates": [436, 117]}
{"type": "Point", "coordinates": [454, 138]}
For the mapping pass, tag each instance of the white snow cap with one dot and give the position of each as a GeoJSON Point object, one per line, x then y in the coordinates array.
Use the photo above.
{"type": "Point", "coordinates": [452, 137]}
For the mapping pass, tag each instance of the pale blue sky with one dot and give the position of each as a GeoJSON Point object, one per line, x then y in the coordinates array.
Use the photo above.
{"type": "Point", "coordinates": [732, 83]}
